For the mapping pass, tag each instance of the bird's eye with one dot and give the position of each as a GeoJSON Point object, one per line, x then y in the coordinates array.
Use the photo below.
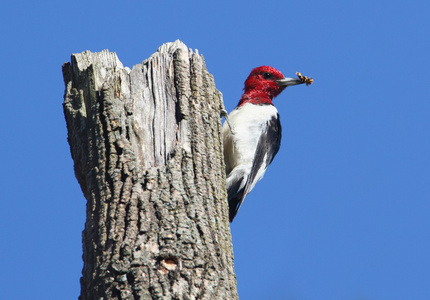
{"type": "Point", "coordinates": [267, 75]}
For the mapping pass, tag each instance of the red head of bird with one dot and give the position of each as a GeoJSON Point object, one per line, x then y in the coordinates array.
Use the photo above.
{"type": "Point", "coordinates": [265, 83]}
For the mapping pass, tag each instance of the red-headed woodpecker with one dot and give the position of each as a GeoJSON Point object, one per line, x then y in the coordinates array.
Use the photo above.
{"type": "Point", "coordinates": [252, 133]}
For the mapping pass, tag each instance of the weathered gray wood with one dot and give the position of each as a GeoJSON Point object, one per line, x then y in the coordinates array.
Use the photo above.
{"type": "Point", "coordinates": [147, 149]}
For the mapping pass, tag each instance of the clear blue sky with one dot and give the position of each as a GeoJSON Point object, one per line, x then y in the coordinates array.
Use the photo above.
{"type": "Point", "coordinates": [343, 213]}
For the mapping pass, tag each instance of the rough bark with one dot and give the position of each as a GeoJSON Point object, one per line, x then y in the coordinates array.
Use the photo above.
{"type": "Point", "coordinates": [147, 149]}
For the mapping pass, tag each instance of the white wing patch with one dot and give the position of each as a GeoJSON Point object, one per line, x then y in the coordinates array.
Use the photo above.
{"type": "Point", "coordinates": [249, 149]}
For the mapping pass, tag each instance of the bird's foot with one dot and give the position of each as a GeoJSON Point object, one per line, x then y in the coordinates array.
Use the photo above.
{"type": "Point", "coordinates": [225, 115]}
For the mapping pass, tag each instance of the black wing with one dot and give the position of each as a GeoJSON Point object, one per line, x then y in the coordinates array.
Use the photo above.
{"type": "Point", "coordinates": [267, 147]}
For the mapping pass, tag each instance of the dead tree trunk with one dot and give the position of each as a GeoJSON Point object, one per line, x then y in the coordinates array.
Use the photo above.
{"type": "Point", "coordinates": [147, 149]}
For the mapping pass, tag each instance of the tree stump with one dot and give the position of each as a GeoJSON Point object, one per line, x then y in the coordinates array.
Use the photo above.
{"type": "Point", "coordinates": [147, 151]}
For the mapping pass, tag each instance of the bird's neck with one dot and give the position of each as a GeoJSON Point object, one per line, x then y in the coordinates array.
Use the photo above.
{"type": "Point", "coordinates": [255, 97]}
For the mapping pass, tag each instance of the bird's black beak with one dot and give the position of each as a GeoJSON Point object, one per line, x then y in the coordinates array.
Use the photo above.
{"type": "Point", "coordinates": [289, 81]}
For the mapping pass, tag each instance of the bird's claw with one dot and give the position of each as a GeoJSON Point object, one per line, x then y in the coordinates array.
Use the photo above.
{"type": "Point", "coordinates": [224, 114]}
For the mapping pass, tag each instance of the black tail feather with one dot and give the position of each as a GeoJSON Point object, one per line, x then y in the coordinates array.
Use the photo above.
{"type": "Point", "coordinates": [233, 207]}
{"type": "Point", "coordinates": [235, 199]}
